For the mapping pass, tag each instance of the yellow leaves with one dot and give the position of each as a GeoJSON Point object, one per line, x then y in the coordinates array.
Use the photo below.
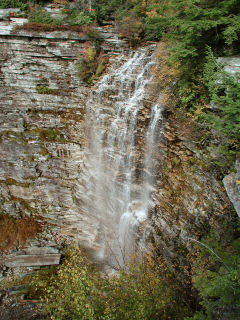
{"type": "Point", "coordinates": [91, 54]}
{"type": "Point", "coordinates": [60, 2]}
{"type": "Point", "coordinates": [152, 13]}
{"type": "Point", "coordinates": [198, 111]}
{"type": "Point", "coordinates": [142, 291]}
{"type": "Point", "coordinates": [165, 74]}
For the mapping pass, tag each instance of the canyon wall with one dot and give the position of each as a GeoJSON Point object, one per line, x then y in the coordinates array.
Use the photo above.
{"type": "Point", "coordinates": [43, 133]}
{"type": "Point", "coordinates": [44, 156]}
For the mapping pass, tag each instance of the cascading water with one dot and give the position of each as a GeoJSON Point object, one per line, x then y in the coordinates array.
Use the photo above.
{"type": "Point", "coordinates": [115, 197]}
{"type": "Point", "coordinates": [137, 211]}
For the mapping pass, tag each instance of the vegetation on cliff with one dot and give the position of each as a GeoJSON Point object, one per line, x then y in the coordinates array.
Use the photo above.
{"type": "Point", "coordinates": [147, 290]}
{"type": "Point", "coordinates": [193, 34]}
{"type": "Point", "coordinates": [143, 291]}
{"type": "Point", "coordinates": [195, 31]}
{"type": "Point", "coordinates": [14, 233]}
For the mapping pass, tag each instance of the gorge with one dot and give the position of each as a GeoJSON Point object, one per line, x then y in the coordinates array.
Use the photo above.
{"type": "Point", "coordinates": [109, 163]}
{"type": "Point", "coordinates": [92, 161]}
{"type": "Point", "coordinates": [80, 157]}
{"type": "Point", "coordinates": [106, 163]}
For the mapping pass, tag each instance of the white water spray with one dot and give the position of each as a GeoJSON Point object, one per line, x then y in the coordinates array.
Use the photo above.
{"type": "Point", "coordinates": [114, 198]}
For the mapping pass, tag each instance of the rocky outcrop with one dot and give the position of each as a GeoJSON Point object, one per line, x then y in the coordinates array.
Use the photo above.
{"type": "Point", "coordinates": [231, 64]}
{"type": "Point", "coordinates": [42, 129]}
{"type": "Point", "coordinates": [45, 170]}
{"type": "Point", "coordinates": [232, 185]}
{"type": "Point", "coordinates": [190, 201]}
{"type": "Point", "coordinates": [32, 260]}
{"type": "Point", "coordinates": [42, 135]}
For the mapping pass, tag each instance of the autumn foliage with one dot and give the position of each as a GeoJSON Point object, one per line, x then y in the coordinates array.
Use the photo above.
{"type": "Point", "coordinates": [15, 233]}
{"type": "Point", "coordinates": [165, 74]}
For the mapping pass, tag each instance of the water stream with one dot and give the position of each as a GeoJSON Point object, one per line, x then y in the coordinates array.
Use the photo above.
{"type": "Point", "coordinates": [117, 197]}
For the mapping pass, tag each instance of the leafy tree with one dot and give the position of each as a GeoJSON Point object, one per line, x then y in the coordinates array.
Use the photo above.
{"type": "Point", "coordinates": [145, 291]}
{"type": "Point", "coordinates": [70, 293]}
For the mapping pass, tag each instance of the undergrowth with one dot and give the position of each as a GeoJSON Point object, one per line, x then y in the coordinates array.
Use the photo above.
{"type": "Point", "coordinates": [14, 233]}
{"type": "Point", "coordinates": [78, 290]}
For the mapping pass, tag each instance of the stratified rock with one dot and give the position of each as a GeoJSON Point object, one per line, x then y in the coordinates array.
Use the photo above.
{"type": "Point", "coordinates": [5, 13]}
{"type": "Point", "coordinates": [40, 250]}
{"type": "Point", "coordinates": [43, 136]}
{"type": "Point", "coordinates": [231, 64]}
{"type": "Point", "coordinates": [33, 260]}
{"type": "Point", "coordinates": [232, 185]}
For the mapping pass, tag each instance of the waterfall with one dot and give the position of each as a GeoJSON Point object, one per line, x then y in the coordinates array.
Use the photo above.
{"type": "Point", "coordinates": [137, 211]}
{"type": "Point", "coordinates": [115, 196]}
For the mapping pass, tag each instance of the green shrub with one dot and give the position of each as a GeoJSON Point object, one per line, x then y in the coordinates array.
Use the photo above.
{"type": "Point", "coordinates": [107, 9]}
{"type": "Point", "coordinates": [220, 113]}
{"type": "Point", "coordinates": [81, 18]}
{"type": "Point", "coordinates": [13, 4]}
{"type": "Point", "coordinates": [72, 292]}
{"type": "Point", "coordinates": [39, 15]}
{"type": "Point", "coordinates": [219, 283]}
{"type": "Point", "coordinates": [153, 28]}
{"type": "Point", "coordinates": [46, 90]}
{"type": "Point", "coordinates": [144, 291]}
{"type": "Point", "coordinates": [224, 92]}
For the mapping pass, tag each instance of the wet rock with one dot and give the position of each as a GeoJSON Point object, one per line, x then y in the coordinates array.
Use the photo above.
{"type": "Point", "coordinates": [43, 136]}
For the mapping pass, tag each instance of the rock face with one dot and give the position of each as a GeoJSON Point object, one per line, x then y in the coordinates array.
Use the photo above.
{"type": "Point", "coordinates": [232, 185]}
{"type": "Point", "coordinates": [32, 260]}
{"type": "Point", "coordinates": [231, 64]}
{"type": "Point", "coordinates": [45, 159]}
{"type": "Point", "coordinates": [42, 134]}
{"type": "Point", "coordinates": [189, 200]}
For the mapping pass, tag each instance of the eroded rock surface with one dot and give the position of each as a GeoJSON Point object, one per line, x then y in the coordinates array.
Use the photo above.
{"type": "Point", "coordinates": [232, 185]}
{"type": "Point", "coordinates": [42, 133]}
{"type": "Point", "coordinates": [189, 200]}
{"type": "Point", "coordinates": [44, 168]}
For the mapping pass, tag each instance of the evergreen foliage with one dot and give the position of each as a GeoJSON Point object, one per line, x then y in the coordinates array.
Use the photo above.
{"type": "Point", "coordinates": [218, 282]}
{"type": "Point", "coordinates": [224, 92]}
{"type": "Point", "coordinates": [39, 15]}
{"type": "Point", "coordinates": [4, 4]}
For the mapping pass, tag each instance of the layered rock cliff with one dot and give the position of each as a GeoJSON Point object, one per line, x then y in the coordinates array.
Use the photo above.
{"type": "Point", "coordinates": [43, 132]}
{"type": "Point", "coordinates": [45, 168]}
